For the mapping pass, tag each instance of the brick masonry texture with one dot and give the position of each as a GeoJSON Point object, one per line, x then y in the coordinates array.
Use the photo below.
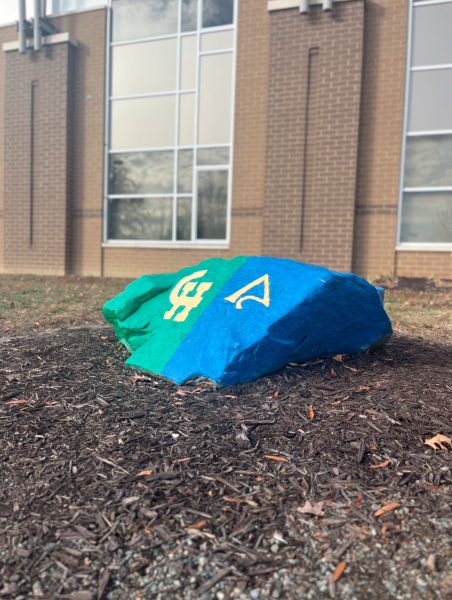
{"type": "Point", "coordinates": [7, 34]}
{"type": "Point", "coordinates": [380, 146]}
{"type": "Point", "coordinates": [87, 144]}
{"type": "Point", "coordinates": [36, 160]}
{"type": "Point", "coordinates": [314, 108]}
{"type": "Point", "coordinates": [318, 133]}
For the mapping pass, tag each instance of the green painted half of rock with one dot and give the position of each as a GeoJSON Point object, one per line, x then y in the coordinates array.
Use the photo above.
{"type": "Point", "coordinates": [137, 314]}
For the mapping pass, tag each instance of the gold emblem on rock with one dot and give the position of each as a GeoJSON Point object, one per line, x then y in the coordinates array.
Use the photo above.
{"type": "Point", "coordinates": [181, 297]}
{"type": "Point", "coordinates": [239, 297]}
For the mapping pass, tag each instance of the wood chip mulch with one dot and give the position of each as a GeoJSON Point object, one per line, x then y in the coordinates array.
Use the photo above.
{"type": "Point", "coordinates": [314, 482]}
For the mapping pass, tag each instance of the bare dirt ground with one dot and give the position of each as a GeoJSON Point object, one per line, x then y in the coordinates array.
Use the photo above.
{"type": "Point", "coordinates": [314, 482]}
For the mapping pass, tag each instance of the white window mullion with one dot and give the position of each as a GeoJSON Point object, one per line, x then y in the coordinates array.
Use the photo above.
{"type": "Point", "coordinates": [176, 132]}
{"type": "Point", "coordinates": [232, 126]}
{"type": "Point", "coordinates": [410, 193]}
{"type": "Point", "coordinates": [194, 209]}
{"type": "Point", "coordinates": [440, 67]}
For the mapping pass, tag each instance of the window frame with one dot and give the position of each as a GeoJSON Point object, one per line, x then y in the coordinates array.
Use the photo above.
{"type": "Point", "coordinates": [417, 246]}
{"type": "Point", "coordinates": [174, 243]}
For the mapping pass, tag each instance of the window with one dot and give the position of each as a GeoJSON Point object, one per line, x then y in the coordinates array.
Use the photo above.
{"type": "Point", "coordinates": [425, 216]}
{"type": "Point", "coordinates": [170, 112]}
{"type": "Point", "coordinates": [9, 9]}
{"type": "Point", "coordinates": [63, 6]}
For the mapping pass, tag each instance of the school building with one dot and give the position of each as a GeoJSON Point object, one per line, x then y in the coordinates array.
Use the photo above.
{"type": "Point", "coordinates": [141, 136]}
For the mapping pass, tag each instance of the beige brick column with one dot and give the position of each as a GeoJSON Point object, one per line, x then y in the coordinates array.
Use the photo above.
{"type": "Point", "coordinates": [313, 124]}
{"type": "Point", "coordinates": [37, 136]}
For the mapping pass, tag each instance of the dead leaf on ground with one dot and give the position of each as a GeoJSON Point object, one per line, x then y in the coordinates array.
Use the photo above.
{"type": "Point", "coordinates": [145, 473]}
{"type": "Point", "coordinates": [200, 524]}
{"type": "Point", "coordinates": [276, 458]}
{"type": "Point", "coordinates": [386, 508]}
{"type": "Point", "coordinates": [358, 502]}
{"type": "Point", "coordinates": [311, 509]}
{"type": "Point", "coordinates": [311, 412]}
{"type": "Point", "coordinates": [338, 571]}
{"type": "Point", "coordinates": [135, 378]}
{"type": "Point", "coordinates": [439, 442]}
{"type": "Point", "coordinates": [382, 465]}
{"type": "Point", "coordinates": [14, 402]}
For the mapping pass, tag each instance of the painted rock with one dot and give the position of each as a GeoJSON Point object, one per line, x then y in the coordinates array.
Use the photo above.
{"type": "Point", "coordinates": [232, 321]}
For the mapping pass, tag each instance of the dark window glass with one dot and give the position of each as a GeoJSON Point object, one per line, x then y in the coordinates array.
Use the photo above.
{"type": "Point", "coordinates": [212, 205]}
{"type": "Point", "coordinates": [427, 218]}
{"type": "Point", "coordinates": [189, 15]}
{"type": "Point", "coordinates": [184, 218]}
{"type": "Point", "coordinates": [213, 156]}
{"type": "Point", "coordinates": [141, 172]}
{"type": "Point", "coordinates": [185, 172]}
{"type": "Point", "coordinates": [428, 161]}
{"type": "Point", "coordinates": [140, 219]}
{"type": "Point", "coordinates": [217, 12]}
{"type": "Point", "coordinates": [136, 19]}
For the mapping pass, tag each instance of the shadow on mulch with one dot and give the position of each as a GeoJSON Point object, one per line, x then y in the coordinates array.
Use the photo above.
{"type": "Point", "coordinates": [117, 485]}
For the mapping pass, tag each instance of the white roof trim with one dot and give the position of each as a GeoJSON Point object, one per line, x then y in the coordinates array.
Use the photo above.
{"type": "Point", "coordinates": [283, 4]}
{"type": "Point", "coordinates": [57, 38]}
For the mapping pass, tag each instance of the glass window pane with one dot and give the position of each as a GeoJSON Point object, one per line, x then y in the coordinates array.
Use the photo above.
{"type": "Point", "coordinates": [217, 40]}
{"type": "Point", "coordinates": [212, 205]}
{"type": "Point", "coordinates": [144, 68]}
{"type": "Point", "coordinates": [140, 219]}
{"type": "Point", "coordinates": [428, 161]}
{"type": "Point", "coordinates": [143, 122]}
{"type": "Point", "coordinates": [213, 156]}
{"type": "Point", "coordinates": [135, 19]}
{"type": "Point", "coordinates": [61, 6]}
{"type": "Point", "coordinates": [217, 12]}
{"type": "Point", "coordinates": [189, 15]}
{"type": "Point", "coordinates": [188, 63]}
{"type": "Point", "coordinates": [427, 218]}
{"type": "Point", "coordinates": [432, 35]}
{"type": "Point", "coordinates": [9, 11]}
{"type": "Point", "coordinates": [187, 120]}
{"type": "Point", "coordinates": [141, 172]}
{"type": "Point", "coordinates": [184, 219]}
{"type": "Point", "coordinates": [215, 99]}
{"type": "Point", "coordinates": [185, 172]}
{"type": "Point", "coordinates": [430, 100]}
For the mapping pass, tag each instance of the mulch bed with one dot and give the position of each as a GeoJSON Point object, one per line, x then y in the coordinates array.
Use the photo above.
{"type": "Point", "coordinates": [117, 485]}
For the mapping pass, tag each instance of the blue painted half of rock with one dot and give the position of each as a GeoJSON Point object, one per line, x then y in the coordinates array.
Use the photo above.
{"type": "Point", "coordinates": [293, 312]}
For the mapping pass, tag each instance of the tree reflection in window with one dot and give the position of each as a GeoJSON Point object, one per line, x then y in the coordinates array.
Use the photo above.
{"type": "Point", "coordinates": [212, 204]}
{"type": "Point", "coordinates": [141, 172]}
{"type": "Point", "coordinates": [140, 219]}
{"type": "Point", "coordinates": [217, 12]}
